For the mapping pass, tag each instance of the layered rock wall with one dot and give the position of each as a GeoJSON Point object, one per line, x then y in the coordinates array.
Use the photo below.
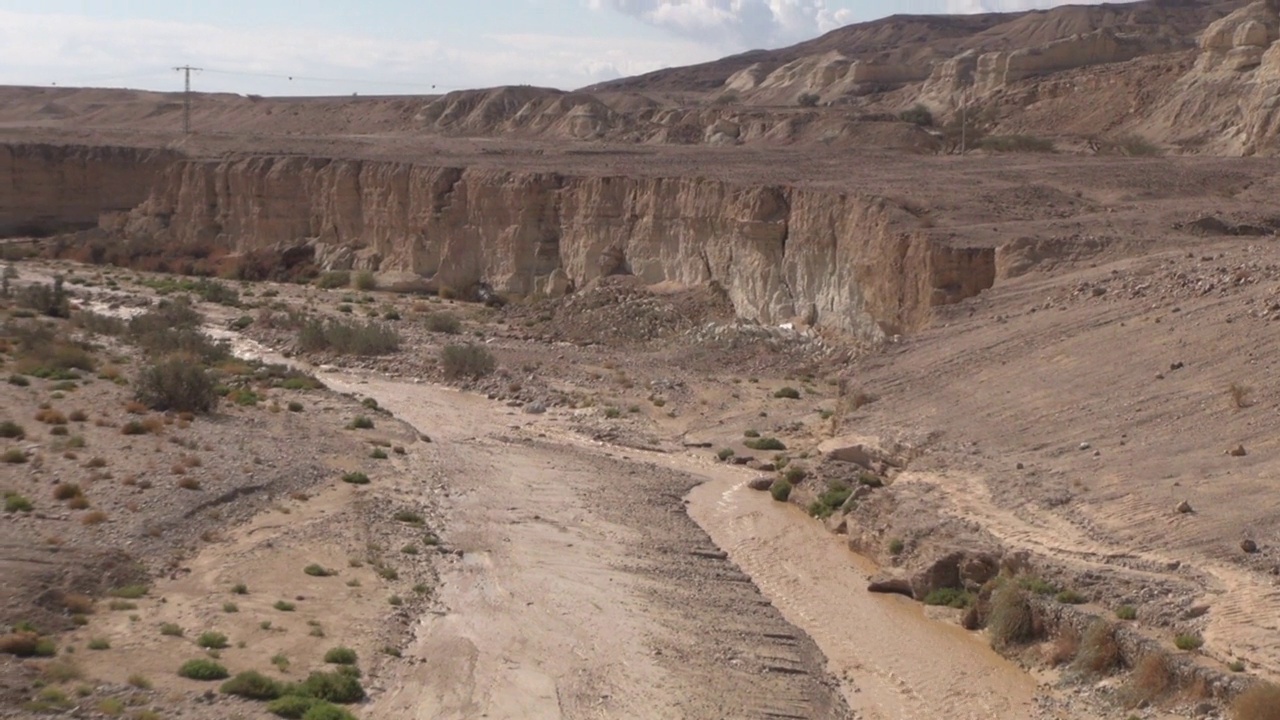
{"type": "Point", "coordinates": [45, 189]}
{"type": "Point", "coordinates": [850, 262]}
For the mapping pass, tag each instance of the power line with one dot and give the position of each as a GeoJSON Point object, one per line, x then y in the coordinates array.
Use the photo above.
{"type": "Point", "coordinates": [186, 70]}
{"type": "Point", "coordinates": [304, 78]}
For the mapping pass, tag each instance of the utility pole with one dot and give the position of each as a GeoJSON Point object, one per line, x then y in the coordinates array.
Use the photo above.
{"type": "Point", "coordinates": [186, 70]}
{"type": "Point", "coordinates": [964, 120]}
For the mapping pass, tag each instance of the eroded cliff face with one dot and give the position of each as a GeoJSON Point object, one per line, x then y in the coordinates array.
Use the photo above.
{"type": "Point", "coordinates": [850, 262]}
{"type": "Point", "coordinates": [45, 189]}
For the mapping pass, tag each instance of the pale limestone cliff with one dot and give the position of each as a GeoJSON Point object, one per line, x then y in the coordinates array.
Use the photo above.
{"type": "Point", "coordinates": [46, 189]}
{"type": "Point", "coordinates": [848, 262]}
{"type": "Point", "coordinates": [1230, 102]}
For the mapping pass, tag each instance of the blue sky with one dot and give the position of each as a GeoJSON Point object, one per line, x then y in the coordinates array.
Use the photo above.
{"type": "Point", "coordinates": [404, 46]}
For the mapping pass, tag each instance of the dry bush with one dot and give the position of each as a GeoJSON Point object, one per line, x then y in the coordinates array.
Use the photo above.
{"type": "Point", "coordinates": [1151, 679]}
{"type": "Point", "coordinates": [66, 491]}
{"type": "Point", "coordinates": [97, 517]}
{"type": "Point", "coordinates": [1099, 653]}
{"type": "Point", "coordinates": [1241, 395]}
{"type": "Point", "coordinates": [77, 604]}
{"type": "Point", "coordinates": [50, 416]}
{"type": "Point", "coordinates": [78, 416]}
{"type": "Point", "coordinates": [21, 644]}
{"type": "Point", "coordinates": [466, 361]}
{"type": "Point", "coordinates": [79, 502]}
{"type": "Point", "coordinates": [189, 483]}
{"type": "Point", "coordinates": [153, 424]}
{"type": "Point", "coordinates": [133, 407]}
{"type": "Point", "coordinates": [1260, 702]}
{"type": "Point", "coordinates": [1011, 620]}
{"type": "Point", "coordinates": [1064, 647]}
{"type": "Point", "coordinates": [177, 383]}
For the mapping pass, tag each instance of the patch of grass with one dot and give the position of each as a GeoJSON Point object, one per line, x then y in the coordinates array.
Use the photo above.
{"type": "Point", "coordinates": [111, 707]}
{"type": "Point", "coordinates": [336, 687]}
{"type": "Point", "coordinates": [95, 517]}
{"type": "Point", "coordinates": [340, 656]}
{"type": "Point", "coordinates": [212, 640]}
{"type": "Point", "coordinates": [171, 630]}
{"type": "Point", "coordinates": [230, 607]}
{"type": "Point", "coordinates": [1037, 585]}
{"type": "Point", "coordinates": [99, 644]}
{"type": "Point", "coordinates": [949, 597]}
{"type": "Point", "coordinates": [1127, 612]}
{"type": "Point", "coordinates": [896, 546]}
{"type": "Point", "coordinates": [466, 361]}
{"type": "Point", "coordinates": [348, 337]}
{"type": "Point", "coordinates": [140, 681]}
{"type": "Point", "coordinates": [315, 570]}
{"type": "Point", "coordinates": [121, 605]}
{"type": "Point", "coordinates": [780, 490]}
{"type": "Point", "coordinates": [787, 393]}
{"type": "Point", "coordinates": [829, 501]}
{"type": "Point", "coordinates": [202, 669]}
{"type": "Point", "coordinates": [14, 456]}
{"type": "Point", "coordinates": [395, 600]}
{"type": "Point", "coordinates": [292, 707]}
{"type": "Point", "coordinates": [1188, 641]}
{"type": "Point", "coordinates": [355, 478]}
{"type": "Point", "coordinates": [333, 280]}
{"type": "Point", "coordinates": [444, 322]}
{"type": "Point", "coordinates": [284, 606]}
{"type": "Point", "coordinates": [725, 454]}
{"type": "Point", "coordinates": [129, 592]}
{"type": "Point", "coordinates": [1151, 678]}
{"type": "Point", "coordinates": [12, 430]}
{"type": "Point", "coordinates": [765, 443]}
{"type": "Point", "coordinates": [378, 454]}
{"type": "Point", "coordinates": [360, 422]}
{"type": "Point", "coordinates": [13, 502]}
{"type": "Point", "coordinates": [294, 406]}
{"type": "Point", "coordinates": [26, 643]}
{"type": "Point", "coordinates": [391, 650]}
{"type": "Point", "coordinates": [1010, 621]}
{"type": "Point", "coordinates": [327, 711]}
{"type": "Point", "coordinates": [240, 589]}
{"type": "Point", "coordinates": [62, 671]}
{"type": "Point", "coordinates": [252, 685]}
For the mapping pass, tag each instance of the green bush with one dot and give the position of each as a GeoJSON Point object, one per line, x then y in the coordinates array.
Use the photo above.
{"type": "Point", "coordinates": [466, 361]}
{"type": "Point", "coordinates": [12, 430]}
{"type": "Point", "coordinates": [1039, 586]}
{"type": "Point", "coordinates": [176, 383]}
{"type": "Point", "coordinates": [48, 300]}
{"type": "Point", "coordinates": [725, 454]}
{"type": "Point", "coordinates": [292, 707]}
{"type": "Point", "coordinates": [212, 640]}
{"type": "Point", "coordinates": [765, 443]}
{"type": "Point", "coordinates": [356, 478]}
{"type": "Point", "coordinates": [315, 570]}
{"type": "Point", "coordinates": [917, 115]}
{"type": "Point", "coordinates": [1188, 641]}
{"type": "Point", "coordinates": [1071, 597]}
{"type": "Point", "coordinates": [896, 546]}
{"type": "Point", "coordinates": [340, 656]}
{"type": "Point", "coordinates": [202, 669]}
{"type": "Point", "coordinates": [284, 606]}
{"type": "Point", "coordinates": [13, 502]}
{"type": "Point", "coordinates": [128, 592]}
{"type": "Point", "coordinates": [360, 422]}
{"type": "Point", "coordinates": [829, 501]}
{"type": "Point", "coordinates": [364, 280]}
{"type": "Point", "coordinates": [1127, 612]}
{"type": "Point", "coordinates": [788, 393]}
{"type": "Point", "coordinates": [334, 687]}
{"type": "Point", "coordinates": [780, 490]}
{"type": "Point", "coordinates": [171, 630]}
{"type": "Point", "coordinates": [253, 685]}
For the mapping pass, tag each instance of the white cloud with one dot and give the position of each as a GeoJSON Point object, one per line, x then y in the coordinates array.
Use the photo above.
{"type": "Point", "coordinates": [68, 49]}
{"type": "Point", "coordinates": [969, 7]}
{"type": "Point", "coordinates": [735, 24]}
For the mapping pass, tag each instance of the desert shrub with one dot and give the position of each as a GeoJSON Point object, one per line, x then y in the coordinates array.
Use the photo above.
{"type": "Point", "coordinates": [830, 500]}
{"type": "Point", "coordinates": [724, 454]}
{"type": "Point", "coordinates": [795, 474]}
{"type": "Point", "coordinates": [97, 517]}
{"type": "Point", "coordinates": [202, 669]}
{"type": "Point", "coordinates": [466, 361]}
{"type": "Point", "coordinates": [1037, 585]}
{"type": "Point", "coordinates": [1065, 646]}
{"type": "Point", "coordinates": [1010, 621]}
{"type": "Point", "coordinates": [340, 656]}
{"type": "Point", "coordinates": [295, 406]}
{"type": "Point", "coordinates": [99, 644]}
{"type": "Point", "coordinates": [12, 430]}
{"type": "Point", "coordinates": [765, 443]}
{"type": "Point", "coordinates": [364, 280]}
{"type": "Point", "coordinates": [808, 100]}
{"type": "Point", "coordinates": [409, 516]}
{"type": "Point", "coordinates": [378, 454]}
{"type": "Point", "coordinates": [949, 597]}
{"type": "Point", "coordinates": [24, 643]}
{"type": "Point", "coordinates": [174, 328]}
{"type": "Point", "coordinates": [1260, 702]}
{"type": "Point", "coordinates": [334, 687]}
{"type": "Point", "coordinates": [360, 422]}
{"type": "Point", "coordinates": [1016, 143]}
{"type": "Point", "coordinates": [780, 490]}
{"type": "Point", "coordinates": [1150, 679]}
{"type": "Point", "coordinates": [326, 711]}
{"type": "Point", "coordinates": [291, 707]}
{"type": "Point", "coordinates": [334, 279]}
{"type": "Point", "coordinates": [1188, 641]}
{"type": "Point", "coordinates": [444, 322]}
{"type": "Point", "coordinates": [1099, 651]}
{"type": "Point", "coordinates": [171, 630]}
{"type": "Point", "coordinates": [356, 478]}
{"type": "Point", "coordinates": [348, 337]}
{"type": "Point", "coordinates": [1240, 395]}
{"type": "Point", "coordinates": [917, 115]}
{"type": "Point", "coordinates": [1071, 597]}
{"type": "Point", "coordinates": [13, 502]}
{"type": "Point", "coordinates": [176, 383]}
{"type": "Point", "coordinates": [1127, 612]}
{"type": "Point", "coordinates": [788, 393]}
{"type": "Point", "coordinates": [284, 606]}
{"type": "Point", "coordinates": [48, 300]}
{"type": "Point", "coordinates": [240, 589]}
{"type": "Point", "coordinates": [212, 640]}
{"type": "Point", "coordinates": [896, 546]}
{"type": "Point", "coordinates": [253, 685]}
{"type": "Point", "coordinates": [315, 570]}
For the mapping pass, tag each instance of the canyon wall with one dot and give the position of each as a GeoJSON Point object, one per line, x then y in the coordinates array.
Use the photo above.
{"type": "Point", "coordinates": [46, 189]}
{"type": "Point", "coordinates": [850, 262]}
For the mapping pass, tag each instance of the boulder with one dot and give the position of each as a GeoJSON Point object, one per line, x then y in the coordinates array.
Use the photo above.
{"type": "Point", "coordinates": [764, 482]}
{"type": "Point", "coordinates": [1182, 507]}
{"type": "Point", "coordinates": [977, 569]}
{"type": "Point", "coordinates": [943, 572]}
{"type": "Point", "coordinates": [1249, 546]}
{"type": "Point", "coordinates": [1237, 451]}
{"type": "Point", "coordinates": [889, 583]}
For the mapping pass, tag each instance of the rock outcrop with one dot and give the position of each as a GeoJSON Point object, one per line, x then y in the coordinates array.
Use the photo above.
{"type": "Point", "coordinates": [850, 262]}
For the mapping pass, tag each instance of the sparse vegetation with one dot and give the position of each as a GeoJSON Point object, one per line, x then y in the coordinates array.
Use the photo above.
{"type": "Point", "coordinates": [1099, 651]}
{"type": "Point", "coordinates": [364, 281]}
{"type": "Point", "coordinates": [340, 656]}
{"type": "Point", "coordinates": [253, 685]}
{"type": "Point", "coordinates": [336, 687]}
{"type": "Point", "coordinates": [1188, 641]}
{"type": "Point", "coordinates": [284, 606]}
{"type": "Point", "coordinates": [202, 669]}
{"type": "Point", "coordinates": [787, 393]}
{"type": "Point", "coordinates": [1070, 597]}
{"type": "Point", "coordinates": [830, 500]}
{"type": "Point", "coordinates": [896, 546]}
{"type": "Point", "coordinates": [1016, 144]}
{"type": "Point", "coordinates": [444, 322]}
{"type": "Point", "coordinates": [1260, 702]}
{"type": "Point", "coordinates": [1241, 395]}
{"type": "Point", "coordinates": [212, 640]}
{"type": "Point", "coordinates": [355, 478]}
{"type": "Point", "coordinates": [1010, 621]}
{"type": "Point", "coordinates": [949, 597]}
{"type": "Point", "coordinates": [315, 570]}
{"type": "Point", "coordinates": [765, 443]}
{"type": "Point", "coordinates": [333, 280]}
{"type": "Point", "coordinates": [808, 100]}
{"type": "Point", "coordinates": [360, 422]}
{"type": "Point", "coordinates": [99, 644]}
{"type": "Point", "coordinates": [1151, 678]}
{"type": "Point", "coordinates": [348, 337]}
{"type": "Point", "coordinates": [780, 490]}
{"type": "Point", "coordinates": [1127, 612]}
{"type": "Point", "coordinates": [466, 361]}
{"type": "Point", "coordinates": [171, 630]}
{"type": "Point", "coordinates": [917, 115]}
